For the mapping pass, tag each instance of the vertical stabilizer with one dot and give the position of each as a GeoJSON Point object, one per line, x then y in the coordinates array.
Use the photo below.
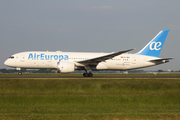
{"type": "Point", "coordinates": [154, 47]}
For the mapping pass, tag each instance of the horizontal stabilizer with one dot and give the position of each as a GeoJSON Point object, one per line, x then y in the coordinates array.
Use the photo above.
{"type": "Point", "coordinates": [161, 60]}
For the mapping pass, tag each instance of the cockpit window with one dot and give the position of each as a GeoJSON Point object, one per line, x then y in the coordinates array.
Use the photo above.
{"type": "Point", "coordinates": [11, 57]}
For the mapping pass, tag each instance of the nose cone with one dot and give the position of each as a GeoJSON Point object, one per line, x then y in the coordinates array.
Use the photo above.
{"type": "Point", "coordinates": [6, 63]}
{"type": "Point", "coordinates": [9, 63]}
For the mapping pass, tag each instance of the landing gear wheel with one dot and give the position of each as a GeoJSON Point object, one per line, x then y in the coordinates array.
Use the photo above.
{"type": "Point", "coordinates": [90, 75]}
{"type": "Point", "coordinates": [19, 73]}
{"type": "Point", "coordinates": [87, 74]}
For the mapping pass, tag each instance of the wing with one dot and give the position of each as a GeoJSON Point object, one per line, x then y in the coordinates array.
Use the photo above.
{"type": "Point", "coordinates": [95, 61]}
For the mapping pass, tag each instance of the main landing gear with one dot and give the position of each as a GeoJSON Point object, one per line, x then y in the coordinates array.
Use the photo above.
{"type": "Point", "coordinates": [87, 74]}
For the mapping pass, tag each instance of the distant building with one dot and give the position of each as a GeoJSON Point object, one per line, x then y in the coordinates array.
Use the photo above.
{"type": "Point", "coordinates": [169, 70]}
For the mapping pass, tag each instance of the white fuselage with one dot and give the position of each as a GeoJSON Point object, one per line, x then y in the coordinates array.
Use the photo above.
{"type": "Point", "coordinates": [68, 62]}
{"type": "Point", "coordinates": [49, 60]}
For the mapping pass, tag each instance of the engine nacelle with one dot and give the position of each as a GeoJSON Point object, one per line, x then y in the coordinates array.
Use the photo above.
{"type": "Point", "coordinates": [65, 67]}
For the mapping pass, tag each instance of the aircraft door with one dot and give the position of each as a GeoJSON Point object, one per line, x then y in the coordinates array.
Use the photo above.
{"type": "Point", "coordinates": [133, 62]}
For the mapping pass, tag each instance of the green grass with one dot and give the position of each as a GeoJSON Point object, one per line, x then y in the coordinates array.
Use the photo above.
{"type": "Point", "coordinates": [81, 98]}
{"type": "Point", "coordinates": [95, 75]}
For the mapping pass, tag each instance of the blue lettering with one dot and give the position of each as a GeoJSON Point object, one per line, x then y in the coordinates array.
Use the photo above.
{"type": "Point", "coordinates": [34, 56]}
{"type": "Point", "coordinates": [38, 56]}
{"type": "Point", "coordinates": [47, 57]}
{"type": "Point", "coordinates": [52, 56]}
{"type": "Point", "coordinates": [42, 56]}
{"type": "Point", "coordinates": [60, 58]}
{"type": "Point", "coordinates": [55, 57]}
{"type": "Point", "coordinates": [66, 57]}
{"type": "Point", "coordinates": [30, 56]}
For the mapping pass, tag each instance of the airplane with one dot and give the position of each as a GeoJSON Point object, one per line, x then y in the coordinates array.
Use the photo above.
{"type": "Point", "coordinates": [68, 62]}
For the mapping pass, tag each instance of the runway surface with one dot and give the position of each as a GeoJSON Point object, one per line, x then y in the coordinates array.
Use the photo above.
{"type": "Point", "coordinates": [103, 77]}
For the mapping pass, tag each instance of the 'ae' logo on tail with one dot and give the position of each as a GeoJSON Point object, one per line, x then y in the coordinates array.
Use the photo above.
{"type": "Point", "coordinates": [155, 46]}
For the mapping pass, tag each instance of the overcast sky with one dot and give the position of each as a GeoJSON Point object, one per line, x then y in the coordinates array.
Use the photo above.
{"type": "Point", "coordinates": [88, 26]}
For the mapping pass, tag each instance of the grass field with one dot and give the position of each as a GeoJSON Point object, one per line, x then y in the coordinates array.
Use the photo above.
{"type": "Point", "coordinates": [92, 98]}
{"type": "Point", "coordinates": [81, 75]}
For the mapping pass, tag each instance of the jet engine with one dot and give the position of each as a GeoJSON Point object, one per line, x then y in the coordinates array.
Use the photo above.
{"type": "Point", "coordinates": [65, 67]}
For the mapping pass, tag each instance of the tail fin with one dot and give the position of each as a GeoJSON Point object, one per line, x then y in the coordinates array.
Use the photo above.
{"type": "Point", "coordinates": [153, 48]}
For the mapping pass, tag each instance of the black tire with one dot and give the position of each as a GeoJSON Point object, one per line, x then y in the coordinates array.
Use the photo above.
{"type": "Point", "coordinates": [85, 74]}
{"type": "Point", "coordinates": [90, 75]}
{"type": "Point", "coordinates": [19, 73]}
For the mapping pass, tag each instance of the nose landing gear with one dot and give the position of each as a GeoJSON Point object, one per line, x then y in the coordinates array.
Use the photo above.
{"type": "Point", "coordinates": [19, 73]}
